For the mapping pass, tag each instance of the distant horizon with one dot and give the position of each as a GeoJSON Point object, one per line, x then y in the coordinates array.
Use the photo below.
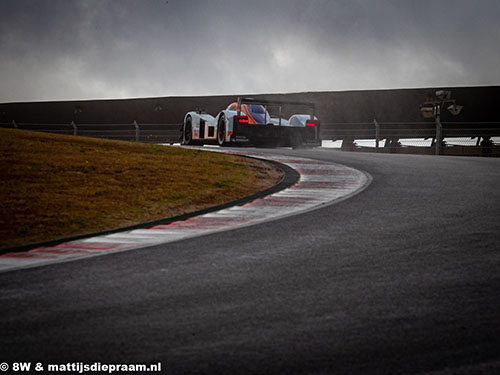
{"type": "Point", "coordinates": [248, 94]}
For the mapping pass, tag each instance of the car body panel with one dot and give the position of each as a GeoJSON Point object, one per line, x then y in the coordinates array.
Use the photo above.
{"type": "Point", "coordinates": [250, 123]}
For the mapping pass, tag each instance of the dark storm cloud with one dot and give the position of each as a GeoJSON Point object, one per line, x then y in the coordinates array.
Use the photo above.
{"type": "Point", "coordinates": [60, 49]}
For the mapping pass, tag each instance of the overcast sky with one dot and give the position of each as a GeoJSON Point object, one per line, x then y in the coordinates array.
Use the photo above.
{"type": "Point", "coordinates": [90, 49]}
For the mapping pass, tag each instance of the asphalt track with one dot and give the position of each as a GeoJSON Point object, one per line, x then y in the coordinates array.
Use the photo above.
{"type": "Point", "coordinates": [403, 278]}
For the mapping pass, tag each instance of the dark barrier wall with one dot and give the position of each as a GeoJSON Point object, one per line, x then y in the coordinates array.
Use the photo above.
{"type": "Point", "coordinates": [401, 105]}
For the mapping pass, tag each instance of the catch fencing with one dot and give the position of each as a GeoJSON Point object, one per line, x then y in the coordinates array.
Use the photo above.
{"type": "Point", "coordinates": [439, 138]}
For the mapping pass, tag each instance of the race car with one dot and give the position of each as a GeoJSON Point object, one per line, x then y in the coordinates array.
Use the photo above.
{"type": "Point", "coordinates": [248, 122]}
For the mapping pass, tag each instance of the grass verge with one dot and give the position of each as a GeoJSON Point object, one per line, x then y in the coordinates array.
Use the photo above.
{"type": "Point", "coordinates": [56, 186]}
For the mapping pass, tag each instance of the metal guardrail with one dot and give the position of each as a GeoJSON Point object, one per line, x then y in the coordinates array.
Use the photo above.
{"type": "Point", "coordinates": [449, 138]}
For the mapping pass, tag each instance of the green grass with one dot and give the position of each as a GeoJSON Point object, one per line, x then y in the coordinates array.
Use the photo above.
{"type": "Point", "coordinates": [55, 186]}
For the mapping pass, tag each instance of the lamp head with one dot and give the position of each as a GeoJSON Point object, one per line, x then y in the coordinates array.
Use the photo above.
{"type": "Point", "coordinates": [455, 109]}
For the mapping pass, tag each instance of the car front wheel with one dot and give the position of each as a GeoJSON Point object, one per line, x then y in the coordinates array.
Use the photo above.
{"type": "Point", "coordinates": [188, 132]}
{"type": "Point", "coordinates": [221, 131]}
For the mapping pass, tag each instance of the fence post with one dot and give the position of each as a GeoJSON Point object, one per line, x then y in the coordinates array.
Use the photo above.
{"type": "Point", "coordinates": [137, 131]}
{"type": "Point", "coordinates": [14, 124]}
{"type": "Point", "coordinates": [439, 135]}
{"type": "Point", "coordinates": [75, 128]}
{"type": "Point", "coordinates": [377, 133]}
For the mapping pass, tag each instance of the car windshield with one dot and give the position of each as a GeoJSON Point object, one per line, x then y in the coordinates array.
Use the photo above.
{"type": "Point", "coordinates": [258, 112]}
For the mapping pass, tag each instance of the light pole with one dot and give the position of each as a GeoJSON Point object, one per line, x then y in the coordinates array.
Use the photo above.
{"type": "Point", "coordinates": [431, 108]}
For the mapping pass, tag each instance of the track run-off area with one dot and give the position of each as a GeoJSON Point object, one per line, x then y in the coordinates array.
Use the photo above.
{"type": "Point", "coordinates": [319, 183]}
{"type": "Point", "coordinates": [402, 278]}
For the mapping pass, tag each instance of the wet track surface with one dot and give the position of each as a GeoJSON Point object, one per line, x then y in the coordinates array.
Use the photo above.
{"type": "Point", "coordinates": [402, 278]}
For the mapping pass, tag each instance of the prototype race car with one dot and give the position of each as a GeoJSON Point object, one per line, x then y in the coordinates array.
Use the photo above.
{"type": "Point", "coordinates": [248, 122]}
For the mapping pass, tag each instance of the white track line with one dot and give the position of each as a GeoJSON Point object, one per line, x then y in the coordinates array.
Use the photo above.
{"type": "Point", "coordinates": [321, 183]}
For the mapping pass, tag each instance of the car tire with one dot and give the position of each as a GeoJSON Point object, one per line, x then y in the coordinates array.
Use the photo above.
{"type": "Point", "coordinates": [221, 131]}
{"type": "Point", "coordinates": [187, 136]}
{"type": "Point", "coordinates": [296, 142]}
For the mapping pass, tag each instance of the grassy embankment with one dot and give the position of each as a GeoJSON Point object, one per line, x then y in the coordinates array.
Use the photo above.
{"type": "Point", "coordinates": [55, 186]}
